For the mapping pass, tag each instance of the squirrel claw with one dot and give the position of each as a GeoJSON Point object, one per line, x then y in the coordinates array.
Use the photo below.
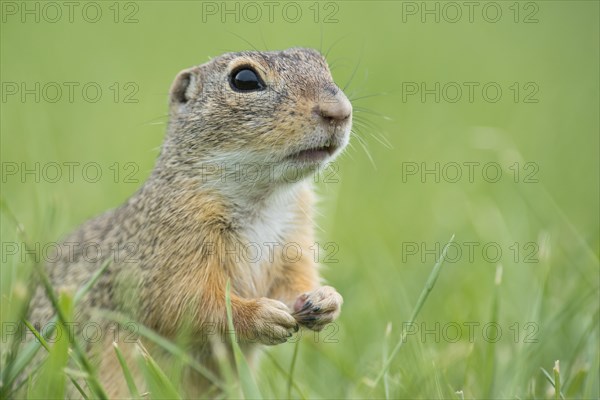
{"type": "Point", "coordinates": [316, 309]}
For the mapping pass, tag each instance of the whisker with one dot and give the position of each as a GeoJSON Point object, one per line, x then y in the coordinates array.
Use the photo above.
{"type": "Point", "coordinates": [335, 43]}
{"type": "Point", "coordinates": [369, 95]}
{"type": "Point", "coordinates": [364, 146]}
{"type": "Point", "coordinates": [354, 71]}
{"type": "Point", "coordinates": [364, 110]}
{"type": "Point", "coordinates": [244, 40]}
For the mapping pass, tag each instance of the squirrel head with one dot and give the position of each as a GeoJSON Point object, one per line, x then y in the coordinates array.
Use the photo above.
{"type": "Point", "coordinates": [278, 112]}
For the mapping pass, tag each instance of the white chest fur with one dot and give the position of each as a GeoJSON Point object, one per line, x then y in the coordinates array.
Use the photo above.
{"type": "Point", "coordinates": [265, 240]}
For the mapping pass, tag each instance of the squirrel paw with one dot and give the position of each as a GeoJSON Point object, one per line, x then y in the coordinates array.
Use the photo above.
{"type": "Point", "coordinates": [316, 309]}
{"type": "Point", "coordinates": [273, 323]}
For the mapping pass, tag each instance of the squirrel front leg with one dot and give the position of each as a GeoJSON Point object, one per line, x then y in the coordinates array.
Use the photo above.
{"type": "Point", "coordinates": [261, 320]}
{"type": "Point", "coordinates": [198, 297]}
{"type": "Point", "coordinates": [312, 305]}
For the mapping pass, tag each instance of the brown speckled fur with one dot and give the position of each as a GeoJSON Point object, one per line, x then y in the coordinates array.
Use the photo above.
{"type": "Point", "coordinates": [181, 219]}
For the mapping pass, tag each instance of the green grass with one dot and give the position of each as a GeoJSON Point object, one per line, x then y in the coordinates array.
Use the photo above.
{"type": "Point", "coordinates": [388, 229]}
{"type": "Point", "coordinates": [51, 378]}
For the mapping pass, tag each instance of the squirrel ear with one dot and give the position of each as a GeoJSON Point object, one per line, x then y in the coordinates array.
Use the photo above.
{"type": "Point", "coordinates": [184, 86]}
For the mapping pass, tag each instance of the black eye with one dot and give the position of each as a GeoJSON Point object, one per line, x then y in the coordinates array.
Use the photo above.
{"type": "Point", "coordinates": [246, 79]}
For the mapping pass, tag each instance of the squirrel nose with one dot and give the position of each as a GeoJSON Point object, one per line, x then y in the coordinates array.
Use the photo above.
{"type": "Point", "coordinates": [336, 108]}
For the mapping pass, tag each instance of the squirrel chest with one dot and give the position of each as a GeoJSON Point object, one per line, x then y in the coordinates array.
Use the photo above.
{"type": "Point", "coordinates": [268, 240]}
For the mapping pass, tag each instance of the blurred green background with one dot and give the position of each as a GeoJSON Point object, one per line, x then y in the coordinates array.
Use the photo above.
{"type": "Point", "coordinates": [388, 220]}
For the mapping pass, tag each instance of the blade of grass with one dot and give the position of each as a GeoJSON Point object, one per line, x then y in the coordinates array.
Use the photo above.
{"type": "Point", "coordinates": [385, 352]}
{"type": "Point", "coordinates": [9, 370]}
{"type": "Point", "coordinates": [490, 354]}
{"type": "Point", "coordinates": [133, 390]}
{"type": "Point", "coordinates": [424, 294]}
{"type": "Point", "coordinates": [556, 371]}
{"type": "Point", "coordinates": [285, 374]}
{"type": "Point", "coordinates": [166, 345]}
{"type": "Point", "coordinates": [292, 366]}
{"type": "Point", "coordinates": [438, 385]}
{"type": "Point", "coordinates": [247, 382]}
{"type": "Point", "coordinates": [51, 381]}
{"type": "Point", "coordinates": [80, 354]}
{"type": "Point", "coordinates": [160, 385]}
{"type": "Point", "coordinates": [82, 291]}
{"type": "Point", "coordinates": [591, 389]}
{"type": "Point", "coordinates": [551, 380]}
{"type": "Point", "coordinates": [15, 366]}
{"type": "Point", "coordinates": [226, 367]}
{"type": "Point", "coordinates": [38, 335]}
{"type": "Point", "coordinates": [8, 374]}
{"type": "Point", "coordinates": [44, 344]}
{"type": "Point", "coordinates": [76, 384]}
{"type": "Point", "coordinates": [25, 356]}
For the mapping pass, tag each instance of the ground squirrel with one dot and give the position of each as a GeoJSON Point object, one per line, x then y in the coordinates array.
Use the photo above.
{"type": "Point", "coordinates": [277, 116]}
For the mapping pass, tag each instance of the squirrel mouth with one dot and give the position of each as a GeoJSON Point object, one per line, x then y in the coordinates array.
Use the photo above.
{"type": "Point", "coordinates": [313, 154]}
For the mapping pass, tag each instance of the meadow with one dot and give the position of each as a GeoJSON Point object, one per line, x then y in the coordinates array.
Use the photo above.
{"type": "Point", "coordinates": [474, 121]}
